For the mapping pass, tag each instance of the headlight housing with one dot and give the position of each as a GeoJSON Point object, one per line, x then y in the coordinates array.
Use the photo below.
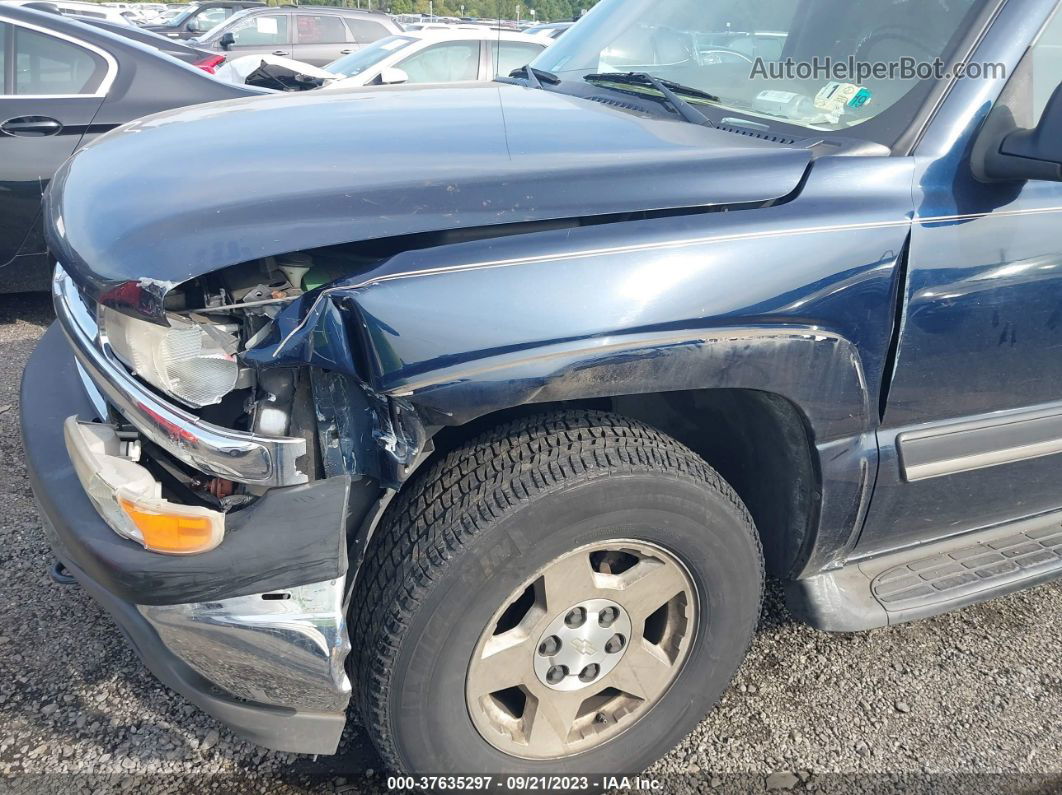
{"type": "Point", "coordinates": [192, 362]}
{"type": "Point", "coordinates": [129, 498]}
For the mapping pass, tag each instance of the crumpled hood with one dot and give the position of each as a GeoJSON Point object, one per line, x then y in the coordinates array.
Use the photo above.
{"type": "Point", "coordinates": [183, 193]}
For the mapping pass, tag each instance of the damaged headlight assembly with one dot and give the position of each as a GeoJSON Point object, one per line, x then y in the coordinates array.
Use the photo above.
{"type": "Point", "coordinates": [129, 498]}
{"type": "Point", "coordinates": [194, 363]}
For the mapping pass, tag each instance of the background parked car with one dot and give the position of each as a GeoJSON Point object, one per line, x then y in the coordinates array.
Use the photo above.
{"type": "Point", "coordinates": [432, 56]}
{"type": "Point", "coordinates": [70, 82]}
{"type": "Point", "coordinates": [429, 56]}
{"type": "Point", "coordinates": [206, 60]}
{"type": "Point", "coordinates": [416, 27]}
{"type": "Point", "coordinates": [72, 8]}
{"type": "Point", "coordinates": [314, 34]}
{"type": "Point", "coordinates": [182, 50]}
{"type": "Point", "coordinates": [200, 18]}
{"type": "Point", "coordinates": [552, 29]}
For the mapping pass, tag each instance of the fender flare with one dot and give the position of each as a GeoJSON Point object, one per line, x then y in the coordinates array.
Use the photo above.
{"type": "Point", "coordinates": [818, 371]}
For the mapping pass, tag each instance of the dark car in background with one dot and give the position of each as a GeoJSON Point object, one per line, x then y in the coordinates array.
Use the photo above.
{"type": "Point", "coordinates": [206, 60]}
{"type": "Point", "coordinates": [180, 49]}
{"type": "Point", "coordinates": [200, 18]}
{"type": "Point", "coordinates": [315, 35]}
{"type": "Point", "coordinates": [66, 83]}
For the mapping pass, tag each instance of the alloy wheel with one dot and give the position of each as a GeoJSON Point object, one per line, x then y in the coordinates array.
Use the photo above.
{"type": "Point", "coordinates": [582, 650]}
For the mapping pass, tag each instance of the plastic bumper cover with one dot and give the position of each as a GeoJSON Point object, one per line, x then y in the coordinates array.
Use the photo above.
{"type": "Point", "coordinates": [252, 632]}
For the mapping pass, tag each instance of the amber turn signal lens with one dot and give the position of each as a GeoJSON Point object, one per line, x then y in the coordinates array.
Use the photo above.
{"type": "Point", "coordinates": [172, 533]}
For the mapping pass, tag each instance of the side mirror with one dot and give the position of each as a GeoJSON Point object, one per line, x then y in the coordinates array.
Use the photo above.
{"type": "Point", "coordinates": [226, 40]}
{"type": "Point", "coordinates": [392, 76]}
{"type": "Point", "coordinates": [1020, 155]}
{"type": "Point", "coordinates": [192, 25]}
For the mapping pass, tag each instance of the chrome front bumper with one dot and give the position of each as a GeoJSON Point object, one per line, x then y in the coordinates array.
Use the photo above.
{"type": "Point", "coordinates": [222, 452]}
{"type": "Point", "coordinates": [269, 665]}
{"type": "Point", "coordinates": [286, 649]}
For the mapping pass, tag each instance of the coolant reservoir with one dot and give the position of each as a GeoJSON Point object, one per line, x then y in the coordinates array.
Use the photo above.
{"type": "Point", "coordinates": [295, 266]}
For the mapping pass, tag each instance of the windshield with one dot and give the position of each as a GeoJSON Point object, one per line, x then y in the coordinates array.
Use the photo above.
{"type": "Point", "coordinates": [771, 59]}
{"type": "Point", "coordinates": [358, 62]}
{"type": "Point", "coordinates": [225, 22]}
{"type": "Point", "coordinates": [180, 18]}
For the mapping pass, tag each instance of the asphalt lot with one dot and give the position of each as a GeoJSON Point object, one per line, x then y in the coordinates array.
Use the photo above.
{"type": "Point", "coordinates": [966, 702]}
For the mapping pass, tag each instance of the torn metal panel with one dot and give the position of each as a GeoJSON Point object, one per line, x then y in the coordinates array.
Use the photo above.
{"type": "Point", "coordinates": [323, 327]}
{"type": "Point", "coordinates": [364, 434]}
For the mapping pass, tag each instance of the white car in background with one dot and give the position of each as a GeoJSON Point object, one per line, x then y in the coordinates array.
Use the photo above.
{"type": "Point", "coordinates": [433, 56]}
{"type": "Point", "coordinates": [72, 8]}
{"type": "Point", "coordinates": [416, 27]}
{"type": "Point", "coordinates": [429, 56]}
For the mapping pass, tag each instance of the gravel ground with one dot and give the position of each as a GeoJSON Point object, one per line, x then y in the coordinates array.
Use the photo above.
{"type": "Point", "coordinates": [966, 702]}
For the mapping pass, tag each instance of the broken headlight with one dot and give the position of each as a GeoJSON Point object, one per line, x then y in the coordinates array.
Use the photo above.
{"type": "Point", "coordinates": [192, 362]}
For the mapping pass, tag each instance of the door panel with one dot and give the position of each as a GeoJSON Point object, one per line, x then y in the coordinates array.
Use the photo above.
{"type": "Point", "coordinates": [972, 432]}
{"type": "Point", "coordinates": [43, 118]}
{"type": "Point", "coordinates": [262, 34]}
{"type": "Point", "coordinates": [322, 38]}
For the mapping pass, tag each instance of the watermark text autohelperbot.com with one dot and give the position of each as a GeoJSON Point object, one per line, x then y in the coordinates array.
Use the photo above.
{"type": "Point", "coordinates": [851, 70]}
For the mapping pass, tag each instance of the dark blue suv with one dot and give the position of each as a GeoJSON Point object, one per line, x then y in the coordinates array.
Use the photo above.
{"type": "Point", "coordinates": [508, 436]}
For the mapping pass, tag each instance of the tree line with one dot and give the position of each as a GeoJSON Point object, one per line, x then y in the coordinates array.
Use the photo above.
{"type": "Point", "coordinates": [545, 10]}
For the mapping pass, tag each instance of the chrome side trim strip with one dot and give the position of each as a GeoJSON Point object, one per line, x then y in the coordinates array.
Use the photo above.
{"type": "Point", "coordinates": [561, 256]}
{"type": "Point", "coordinates": [941, 219]}
{"type": "Point", "coordinates": [287, 648]}
{"type": "Point", "coordinates": [987, 441]}
{"type": "Point", "coordinates": [226, 453]}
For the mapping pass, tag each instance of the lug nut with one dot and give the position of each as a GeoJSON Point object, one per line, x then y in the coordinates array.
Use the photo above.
{"type": "Point", "coordinates": [549, 646]}
{"type": "Point", "coordinates": [615, 644]}
{"type": "Point", "coordinates": [607, 616]}
{"type": "Point", "coordinates": [556, 673]}
{"type": "Point", "coordinates": [575, 618]}
{"type": "Point", "coordinates": [590, 672]}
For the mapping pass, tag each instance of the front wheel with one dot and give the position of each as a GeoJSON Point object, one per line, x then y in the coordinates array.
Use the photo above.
{"type": "Point", "coordinates": [567, 593]}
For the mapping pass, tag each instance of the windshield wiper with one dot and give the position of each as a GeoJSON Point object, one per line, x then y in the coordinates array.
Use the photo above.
{"type": "Point", "coordinates": [536, 77]}
{"type": "Point", "coordinates": [669, 90]}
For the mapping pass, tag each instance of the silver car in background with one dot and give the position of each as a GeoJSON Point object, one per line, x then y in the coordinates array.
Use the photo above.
{"type": "Point", "coordinates": [429, 56]}
{"type": "Point", "coordinates": [312, 34]}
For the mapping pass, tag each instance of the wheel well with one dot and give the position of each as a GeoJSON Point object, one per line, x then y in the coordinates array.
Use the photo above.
{"type": "Point", "coordinates": [758, 441]}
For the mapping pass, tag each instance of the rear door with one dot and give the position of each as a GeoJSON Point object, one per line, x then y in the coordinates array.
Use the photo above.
{"type": "Point", "coordinates": [321, 38]}
{"type": "Point", "coordinates": [53, 85]}
{"type": "Point", "coordinates": [262, 34]}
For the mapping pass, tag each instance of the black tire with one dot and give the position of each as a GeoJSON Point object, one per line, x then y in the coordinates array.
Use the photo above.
{"type": "Point", "coordinates": [457, 542]}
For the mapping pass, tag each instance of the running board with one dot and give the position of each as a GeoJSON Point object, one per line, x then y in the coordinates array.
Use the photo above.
{"type": "Point", "coordinates": [932, 578]}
